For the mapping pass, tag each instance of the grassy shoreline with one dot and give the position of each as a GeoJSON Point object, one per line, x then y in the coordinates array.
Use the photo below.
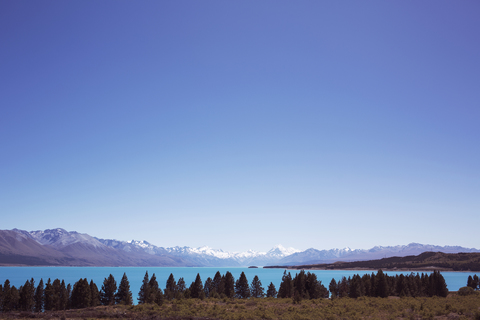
{"type": "Point", "coordinates": [451, 307]}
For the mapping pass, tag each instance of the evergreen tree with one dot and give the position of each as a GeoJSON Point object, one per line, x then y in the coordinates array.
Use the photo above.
{"type": "Point", "coordinates": [124, 295]}
{"type": "Point", "coordinates": [170, 287]}
{"type": "Point", "coordinates": [94, 294]}
{"type": "Point", "coordinates": [242, 289]}
{"type": "Point", "coordinates": [181, 288]}
{"type": "Point", "coordinates": [256, 288]}
{"type": "Point", "coordinates": [63, 296]}
{"type": "Point", "coordinates": [107, 293]}
{"type": "Point", "coordinates": [333, 287]}
{"type": "Point", "coordinates": [81, 295]}
{"type": "Point", "coordinates": [217, 279]}
{"type": "Point", "coordinates": [286, 286]}
{"type": "Point", "coordinates": [229, 283]}
{"type": "Point", "coordinates": [27, 296]}
{"type": "Point", "coordinates": [271, 291]}
{"type": "Point", "coordinates": [155, 293]}
{"type": "Point", "coordinates": [208, 287]}
{"type": "Point", "coordinates": [381, 285]}
{"type": "Point", "coordinates": [49, 294]}
{"type": "Point", "coordinates": [196, 289]}
{"type": "Point", "coordinates": [39, 296]}
{"type": "Point", "coordinates": [144, 293]}
{"type": "Point", "coordinates": [6, 297]}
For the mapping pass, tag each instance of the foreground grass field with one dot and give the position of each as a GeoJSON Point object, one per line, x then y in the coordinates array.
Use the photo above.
{"type": "Point", "coordinates": [452, 307]}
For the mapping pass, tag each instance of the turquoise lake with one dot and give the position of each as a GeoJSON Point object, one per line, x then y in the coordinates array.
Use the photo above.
{"type": "Point", "coordinates": [18, 275]}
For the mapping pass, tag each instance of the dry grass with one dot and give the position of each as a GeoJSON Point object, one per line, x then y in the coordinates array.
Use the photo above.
{"type": "Point", "coordinates": [452, 307]}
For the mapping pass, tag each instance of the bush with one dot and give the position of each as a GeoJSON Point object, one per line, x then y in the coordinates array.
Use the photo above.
{"type": "Point", "coordinates": [466, 291]}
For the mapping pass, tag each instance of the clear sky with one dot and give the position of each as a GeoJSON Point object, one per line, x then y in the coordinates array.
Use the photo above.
{"type": "Point", "coordinates": [242, 124]}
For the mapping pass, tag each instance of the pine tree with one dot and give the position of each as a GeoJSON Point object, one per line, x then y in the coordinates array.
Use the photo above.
{"type": "Point", "coordinates": [196, 289]}
{"type": "Point", "coordinates": [242, 289]}
{"type": "Point", "coordinates": [229, 284]}
{"type": "Point", "coordinates": [81, 294]}
{"type": "Point", "coordinates": [49, 294]}
{"type": "Point", "coordinates": [94, 294]}
{"type": "Point", "coordinates": [144, 293]}
{"type": "Point", "coordinates": [170, 287]}
{"type": "Point", "coordinates": [217, 279]}
{"type": "Point", "coordinates": [333, 287]}
{"type": "Point", "coordinates": [208, 287]}
{"type": "Point", "coordinates": [27, 296]}
{"type": "Point", "coordinates": [256, 288]}
{"type": "Point", "coordinates": [63, 296]}
{"type": "Point", "coordinates": [39, 297]}
{"type": "Point", "coordinates": [286, 286]}
{"type": "Point", "coordinates": [107, 293]}
{"type": "Point", "coordinates": [181, 288]}
{"type": "Point", "coordinates": [271, 291]}
{"type": "Point", "coordinates": [155, 294]}
{"type": "Point", "coordinates": [124, 295]}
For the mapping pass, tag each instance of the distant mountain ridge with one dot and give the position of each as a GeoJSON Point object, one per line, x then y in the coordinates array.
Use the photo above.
{"type": "Point", "coordinates": [70, 248]}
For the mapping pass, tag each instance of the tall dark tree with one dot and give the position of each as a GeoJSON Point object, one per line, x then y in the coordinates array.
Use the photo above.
{"type": "Point", "coordinates": [181, 288]}
{"type": "Point", "coordinates": [333, 287]}
{"type": "Point", "coordinates": [271, 291]}
{"type": "Point", "coordinates": [81, 294]}
{"type": "Point", "coordinates": [49, 295]}
{"type": "Point", "coordinates": [27, 296]}
{"type": "Point", "coordinates": [124, 295]}
{"type": "Point", "coordinates": [242, 289]}
{"type": "Point", "coordinates": [286, 286]}
{"type": "Point", "coordinates": [107, 293]}
{"type": "Point", "coordinates": [381, 285]}
{"type": "Point", "coordinates": [63, 296]}
{"type": "Point", "coordinates": [39, 296]}
{"type": "Point", "coordinates": [144, 293]}
{"type": "Point", "coordinates": [155, 293]}
{"type": "Point", "coordinates": [94, 294]}
{"type": "Point", "coordinates": [229, 285]}
{"type": "Point", "coordinates": [170, 287]}
{"type": "Point", "coordinates": [217, 280]}
{"type": "Point", "coordinates": [196, 289]}
{"type": "Point", "coordinates": [256, 289]}
{"type": "Point", "coordinates": [208, 287]}
{"type": "Point", "coordinates": [7, 303]}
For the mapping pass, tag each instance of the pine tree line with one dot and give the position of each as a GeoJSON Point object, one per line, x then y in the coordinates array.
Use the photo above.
{"type": "Point", "coordinates": [305, 285]}
{"type": "Point", "coordinates": [382, 285]}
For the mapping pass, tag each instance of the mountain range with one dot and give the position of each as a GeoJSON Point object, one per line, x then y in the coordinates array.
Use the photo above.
{"type": "Point", "coordinates": [58, 247]}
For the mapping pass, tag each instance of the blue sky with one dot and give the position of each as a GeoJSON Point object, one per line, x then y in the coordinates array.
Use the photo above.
{"type": "Point", "coordinates": [242, 124]}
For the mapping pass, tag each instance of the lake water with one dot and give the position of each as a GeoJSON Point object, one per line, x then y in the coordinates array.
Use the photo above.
{"type": "Point", "coordinates": [18, 275]}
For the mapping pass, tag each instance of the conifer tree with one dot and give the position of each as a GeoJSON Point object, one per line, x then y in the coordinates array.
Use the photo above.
{"type": "Point", "coordinates": [181, 289]}
{"type": "Point", "coordinates": [81, 294]}
{"type": "Point", "coordinates": [208, 287]}
{"type": "Point", "coordinates": [271, 291]}
{"type": "Point", "coordinates": [286, 286]}
{"type": "Point", "coordinates": [216, 283]}
{"type": "Point", "coordinates": [170, 287]}
{"type": "Point", "coordinates": [155, 293]}
{"type": "Point", "coordinates": [242, 289]}
{"type": "Point", "coordinates": [49, 294]}
{"type": "Point", "coordinates": [94, 294]}
{"type": "Point", "coordinates": [229, 283]}
{"type": "Point", "coordinates": [333, 287]}
{"type": "Point", "coordinates": [144, 293]}
{"type": "Point", "coordinates": [107, 293]}
{"type": "Point", "coordinates": [39, 296]}
{"type": "Point", "coordinates": [124, 295]}
{"type": "Point", "coordinates": [196, 289]}
{"type": "Point", "coordinates": [27, 296]}
{"type": "Point", "coordinates": [256, 288]}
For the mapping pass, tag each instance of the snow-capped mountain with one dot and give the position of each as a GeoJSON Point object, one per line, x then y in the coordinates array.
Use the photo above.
{"type": "Point", "coordinates": [61, 247]}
